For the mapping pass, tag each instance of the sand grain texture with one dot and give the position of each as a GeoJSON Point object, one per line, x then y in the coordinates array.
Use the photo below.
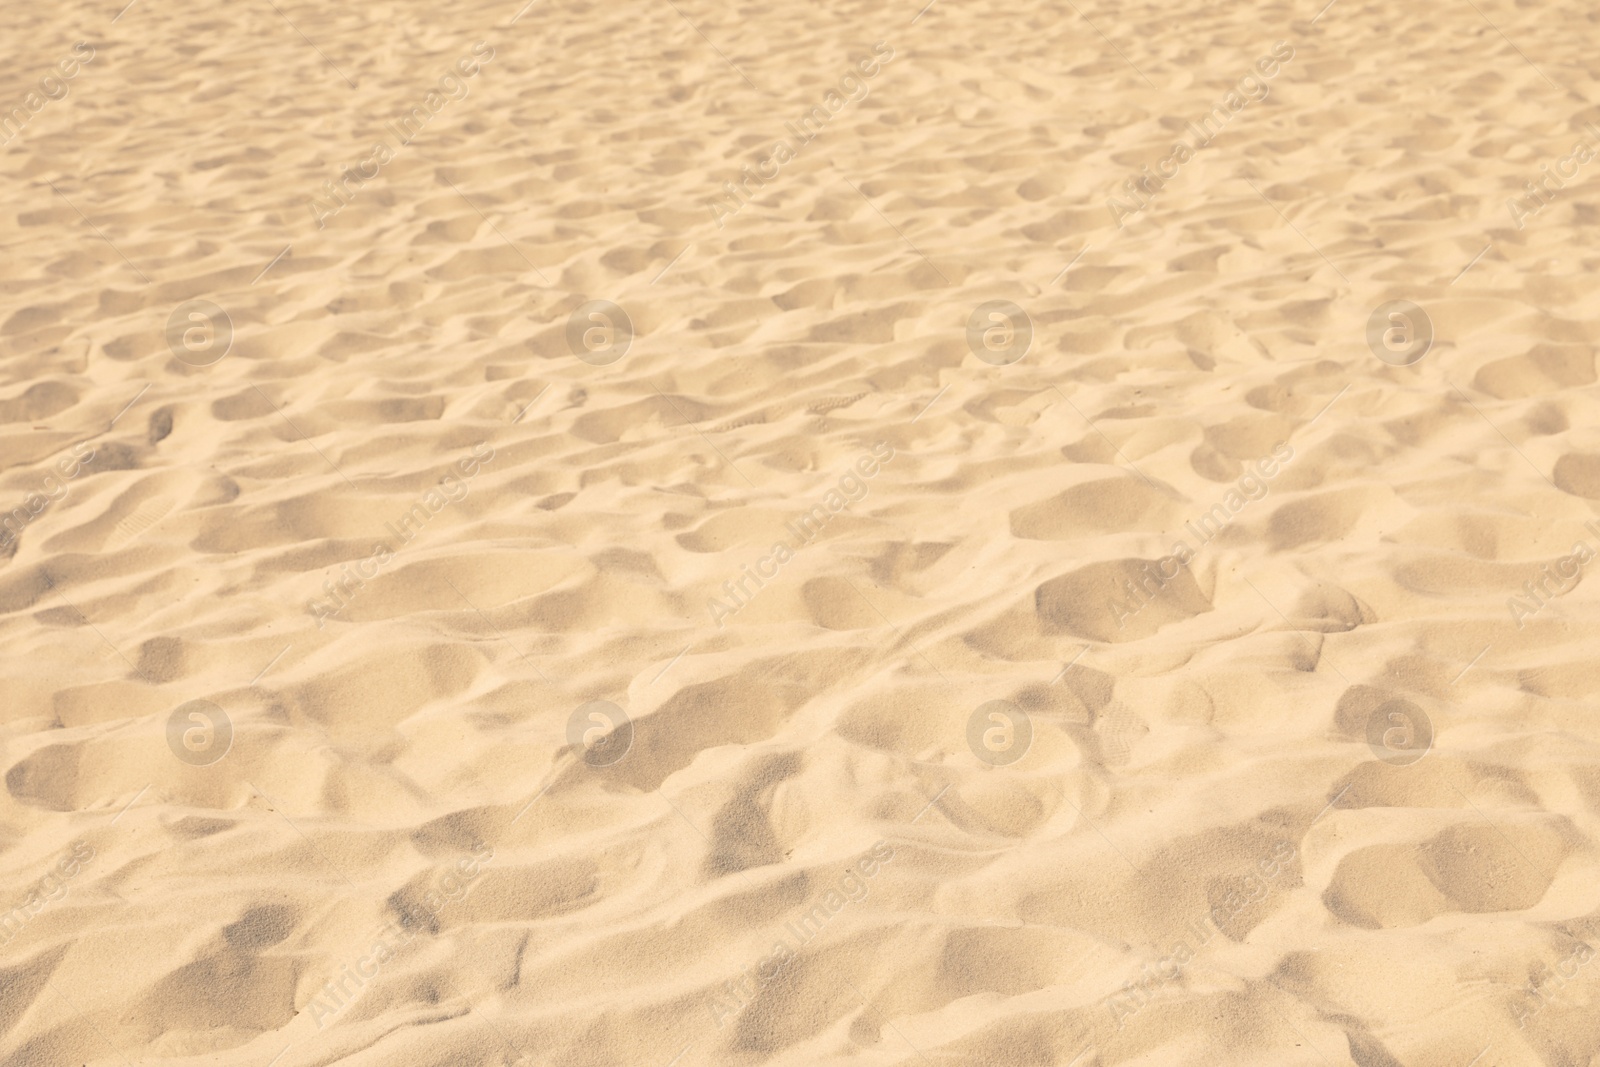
{"type": "Point", "coordinates": [1148, 675]}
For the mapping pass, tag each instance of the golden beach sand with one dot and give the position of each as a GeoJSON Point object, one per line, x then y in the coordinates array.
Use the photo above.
{"type": "Point", "coordinates": [671, 534]}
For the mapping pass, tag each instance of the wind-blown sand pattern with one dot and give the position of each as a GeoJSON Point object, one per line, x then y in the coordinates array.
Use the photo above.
{"type": "Point", "coordinates": [678, 534]}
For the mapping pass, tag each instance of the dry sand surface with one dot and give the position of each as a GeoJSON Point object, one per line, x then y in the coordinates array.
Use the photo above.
{"type": "Point", "coordinates": [667, 533]}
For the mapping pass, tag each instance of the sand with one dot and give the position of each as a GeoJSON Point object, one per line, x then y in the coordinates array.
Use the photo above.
{"type": "Point", "coordinates": [689, 534]}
